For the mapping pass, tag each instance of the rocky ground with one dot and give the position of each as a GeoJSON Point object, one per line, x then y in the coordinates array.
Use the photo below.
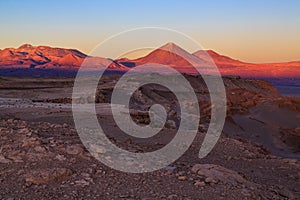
{"type": "Point", "coordinates": [42, 157]}
{"type": "Point", "coordinates": [44, 160]}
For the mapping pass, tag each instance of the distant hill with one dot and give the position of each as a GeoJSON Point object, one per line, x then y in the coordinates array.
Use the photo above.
{"type": "Point", "coordinates": [51, 59]}
{"type": "Point", "coordinates": [43, 59]}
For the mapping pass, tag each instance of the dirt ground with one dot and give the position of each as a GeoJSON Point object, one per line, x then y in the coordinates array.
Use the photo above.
{"type": "Point", "coordinates": [42, 156]}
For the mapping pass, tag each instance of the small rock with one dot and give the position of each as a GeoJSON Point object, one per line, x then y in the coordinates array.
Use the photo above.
{"type": "Point", "coordinates": [74, 150]}
{"type": "Point", "coordinates": [170, 169]}
{"type": "Point", "coordinates": [210, 180]}
{"type": "Point", "coordinates": [15, 157]}
{"type": "Point", "coordinates": [25, 131]}
{"type": "Point", "coordinates": [60, 157]}
{"type": "Point", "coordinates": [181, 173]}
{"type": "Point", "coordinates": [182, 178]}
{"type": "Point", "coordinates": [82, 182]}
{"type": "Point", "coordinates": [44, 176]}
{"type": "Point", "coordinates": [170, 124]}
{"type": "Point", "coordinates": [40, 149]}
{"type": "Point", "coordinates": [246, 193]}
{"type": "Point", "coordinates": [3, 160]}
{"type": "Point", "coordinates": [97, 149]}
{"type": "Point", "coordinates": [215, 173]}
{"type": "Point", "coordinates": [85, 174]}
{"type": "Point", "coordinates": [290, 161]}
{"type": "Point", "coordinates": [201, 173]}
{"type": "Point", "coordinates": [199, 183]}
{"type": "Point", "coordinates": [196, 168]}
{"type": "Point", "coordinates": [172, 196]}
{"type": "Point", "coordinates": [30, 142]}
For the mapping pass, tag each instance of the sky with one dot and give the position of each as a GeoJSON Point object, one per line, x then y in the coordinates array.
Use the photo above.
{"type": "Point", "coordinates": [248, 30]}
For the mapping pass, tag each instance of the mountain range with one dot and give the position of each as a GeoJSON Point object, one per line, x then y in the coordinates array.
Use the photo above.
{"type": "Point", "coordinates": [43, 58]}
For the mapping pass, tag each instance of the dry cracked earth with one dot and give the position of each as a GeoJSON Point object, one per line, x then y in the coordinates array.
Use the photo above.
{"type": "Point", "coordinates": [42, 156]}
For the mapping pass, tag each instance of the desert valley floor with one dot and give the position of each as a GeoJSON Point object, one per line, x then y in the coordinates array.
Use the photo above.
{"type": "Point", "coordinates": [41, 155]}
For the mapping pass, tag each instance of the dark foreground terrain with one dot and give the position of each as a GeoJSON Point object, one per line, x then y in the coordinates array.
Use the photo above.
{"type": "Point", "coordinates": [42, 157]}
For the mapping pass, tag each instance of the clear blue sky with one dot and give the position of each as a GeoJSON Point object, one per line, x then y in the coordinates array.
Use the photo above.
{"type": "Point", "coordinates": [251, 30]}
